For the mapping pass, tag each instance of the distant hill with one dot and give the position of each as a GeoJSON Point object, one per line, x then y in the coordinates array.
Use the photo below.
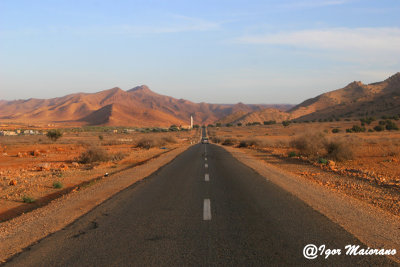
{"type": "Point", "coordinates": [138, 106]}
{"type": "Point", "coordinates": [353, 101]}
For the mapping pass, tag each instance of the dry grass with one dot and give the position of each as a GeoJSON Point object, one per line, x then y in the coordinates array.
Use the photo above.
{"type": "Point", "coordinates": [155, 141]}
{"type": "Point", "coordinates": [310, 144]}
{"type": "Point", "coordinates": [94, 154]}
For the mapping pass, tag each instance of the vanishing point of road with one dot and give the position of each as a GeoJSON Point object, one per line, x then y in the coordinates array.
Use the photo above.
{"type": "Point", "coordinates": [204, 208]}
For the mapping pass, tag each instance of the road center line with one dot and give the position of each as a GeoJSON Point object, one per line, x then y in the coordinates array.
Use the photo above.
{"type": "Point", "coordinates": [207, 177]}
{"type": "Point", "coordinates": [207, 210]}
{"type": "Point", "coordinates": [206, 165]}
{"type": "Point", "coordinates": [205, 158]}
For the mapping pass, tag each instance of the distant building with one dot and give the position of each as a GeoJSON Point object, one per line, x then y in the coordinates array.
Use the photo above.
{"type": "Point", "coordinates": [4, 133]}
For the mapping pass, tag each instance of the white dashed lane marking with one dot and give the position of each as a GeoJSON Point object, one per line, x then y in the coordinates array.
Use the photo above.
{"type": "Point", "coordinates": [207, 177]}
{"type": "Point", "coordinates": [207, 210]}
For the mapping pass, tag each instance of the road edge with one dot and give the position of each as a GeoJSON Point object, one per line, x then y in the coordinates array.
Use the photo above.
{"type": "Point", "coordinates": [23, 231]}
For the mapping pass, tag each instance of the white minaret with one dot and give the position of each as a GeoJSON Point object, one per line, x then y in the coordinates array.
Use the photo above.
{"type": "Point", "coordinates": [191, 122]}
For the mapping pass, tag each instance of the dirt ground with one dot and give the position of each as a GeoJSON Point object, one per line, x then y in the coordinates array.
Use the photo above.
{"type": "Point", "coordinates": [32, 166]}
{"type": "Point", "coordinates": [372, 175]}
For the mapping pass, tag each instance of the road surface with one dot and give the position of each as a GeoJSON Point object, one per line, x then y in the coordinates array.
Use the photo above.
{"type": "Point", "coordinates": [205, 208]}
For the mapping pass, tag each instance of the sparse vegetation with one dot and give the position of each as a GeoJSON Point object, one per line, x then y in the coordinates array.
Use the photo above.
{"type": "Point", "coordinates": [54, 135]}
{"type": "Point", "coordinates": [229, 142]}
{"type": "Point", "coordinates": [317, 145]}
{"type": "Point", "coordinates": [335, 130]}
{"type": "Point", "coordinates": [147, 142]}
{"type": "Point", "coordinates": [285, 123]}
{"type": "Point", "coordinates": [58, 185]}
{"type": "Point", "coordinates": [339, 150]}
{"type": "Point", "coordinates": [250, 142]}
{"type": "Point", "coordinates": [271, 122]}
{"type": "Point", "coordinates": [322, 161]}
{"type": "Point", "coordinates": [94, 154]}
{"type": "Point", "coordinates": [28, 199]}
{"type": "Point", "coordinates": [310, 144]}
{"type": "Point", "coordinates": [356, 129]}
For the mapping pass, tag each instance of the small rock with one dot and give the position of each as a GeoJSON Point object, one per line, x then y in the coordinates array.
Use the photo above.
{"type": "Point", "coordinates": [19, 155]}
{"type": "Point", "coordinates": [12, 182]}
{"type": "Point", "coordinates": [44, 167]}
{"type": "Point", "coordinates": [63, 167]}
{"type": "Point", "coordinates": [75, 164]}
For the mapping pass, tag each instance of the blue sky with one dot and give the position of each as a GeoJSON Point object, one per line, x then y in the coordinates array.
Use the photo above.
{"type": "Point", "coordinates": [214, 51]}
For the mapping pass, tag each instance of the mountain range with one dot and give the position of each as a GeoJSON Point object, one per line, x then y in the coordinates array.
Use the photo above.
{"type": "Point", "coordinates": [140, 106]}
{"type": "Point", "coordinates": [353, 101]}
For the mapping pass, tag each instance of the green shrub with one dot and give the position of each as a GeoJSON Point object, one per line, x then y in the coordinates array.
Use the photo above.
{"type": "Point", "coordinates": [356, 129]}
{"type": "Point", "coordinates": [101, 137]}
{"type": "Point", "coordinates": [57, 185]}
{"type": "Point", "coordinates": [379, 128]}
{"type": "Point", "coordinates": [269, 122]}
{"type": "Point", "coordinates": [322, 161]}
{"type": "Point", "coordinates": [285, 123]}
{"type": "Point", "coordinates": [292, 154]}
{"type": "Point", "coordinates": [28, 199]}
{"type": "Point", "coordinates": [390, 125]}
{"type": "Point", "coordinates": [335, 130]}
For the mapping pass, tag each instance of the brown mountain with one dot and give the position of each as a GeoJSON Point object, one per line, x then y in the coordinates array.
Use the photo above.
{"type": "Point", "coordinates": [267, 114]}
{"type": "Point", "coordinates": [138, 106]}
{"type": "Point", "coordinates": [355, 100]}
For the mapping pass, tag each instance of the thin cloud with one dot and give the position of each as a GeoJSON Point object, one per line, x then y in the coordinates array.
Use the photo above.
{"type": "Point", "coordinates": [172, 24]}
{"type": "Point", "coordinates": [314, 4]}
{"type": "Point", "coordinates": [383, 40]}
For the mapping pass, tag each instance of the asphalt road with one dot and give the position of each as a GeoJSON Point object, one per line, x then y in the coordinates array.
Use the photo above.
{"type": "Point", "coordinates": [191, 214]}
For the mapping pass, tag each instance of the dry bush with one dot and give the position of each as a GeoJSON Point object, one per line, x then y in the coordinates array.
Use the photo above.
{"type": "Point", "coordinates": [310, 144]}
{"type": "Point", "coordinates": [216, 139]}
{"type": "Point", "coordinates": [150, 142]}
{"type": "Point", "coordinates": [169, 139]}
{"type": "Point", "coordinates": [251, 142]}
{"type": "Point", "coordinates": [339, 150]}
{"type": "Point", "coordinates": [94, 154]}
{"type": "Point", "coordinates": [229, 142]}
{"type": "Point", "coordinates": [112, 143]}
{"type": "Point", "coordinates": [119, 156]}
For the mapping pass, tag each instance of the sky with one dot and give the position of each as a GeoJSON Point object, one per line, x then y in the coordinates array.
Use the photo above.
{"type": "Point", "coordinates": [216, 51]}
